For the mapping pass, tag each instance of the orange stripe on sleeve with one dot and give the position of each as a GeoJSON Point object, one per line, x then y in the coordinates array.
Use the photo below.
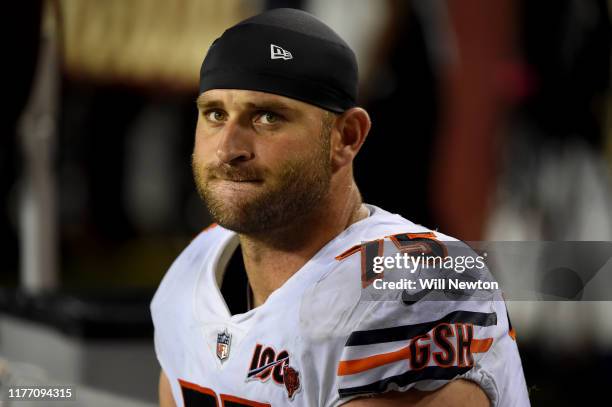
{"type": "Point", "coordinates": [348, 367]}
{"type": "Point", "coordinates": [512, 334]}
{"type": "Point", "coordinates": [481, 345]}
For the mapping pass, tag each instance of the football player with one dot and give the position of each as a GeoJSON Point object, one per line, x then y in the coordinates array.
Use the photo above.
{"type": "Point", "coordinates": [277, 132]}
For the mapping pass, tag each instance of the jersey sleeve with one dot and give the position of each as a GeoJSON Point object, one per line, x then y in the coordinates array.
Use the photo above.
{"type": "Point", "coordinates": [425, 341]}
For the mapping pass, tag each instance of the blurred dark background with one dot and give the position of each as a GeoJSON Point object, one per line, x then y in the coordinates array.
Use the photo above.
{"type": "Point", "coordinates": [491, 121]}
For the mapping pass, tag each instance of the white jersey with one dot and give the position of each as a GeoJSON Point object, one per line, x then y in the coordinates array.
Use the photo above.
{"type": "Point", "coordinates": [315, 341]}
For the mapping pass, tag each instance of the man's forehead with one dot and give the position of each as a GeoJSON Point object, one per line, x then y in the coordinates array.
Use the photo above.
{"type": "Point", "coordinates": [250, 98]}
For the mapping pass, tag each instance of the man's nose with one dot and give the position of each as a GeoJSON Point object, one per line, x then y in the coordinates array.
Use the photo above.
{"type": "Point", "coordinates": [235, 144]}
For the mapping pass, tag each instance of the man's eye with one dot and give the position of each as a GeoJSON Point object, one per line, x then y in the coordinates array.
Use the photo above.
{"type": "Point", "coordinates": [215, 116]}
{"type": "Point", "coordinates": [269, 118]}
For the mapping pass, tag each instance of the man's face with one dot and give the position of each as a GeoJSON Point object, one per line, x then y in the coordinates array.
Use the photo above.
{"type": "Point", "coordinates": [261, 161]}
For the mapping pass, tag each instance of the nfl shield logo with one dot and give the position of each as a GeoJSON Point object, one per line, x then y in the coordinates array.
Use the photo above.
{"type": "Point", "coordinates": [223, 345]}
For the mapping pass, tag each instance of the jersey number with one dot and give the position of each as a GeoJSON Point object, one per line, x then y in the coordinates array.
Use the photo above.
{"type": "Point", "coordinates": [410, 243]}
{"type": "Point", "coordinates": [197, 396]}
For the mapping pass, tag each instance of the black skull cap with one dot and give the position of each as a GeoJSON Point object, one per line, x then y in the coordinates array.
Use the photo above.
{"type": "Point", "coordinates": [287, 52]}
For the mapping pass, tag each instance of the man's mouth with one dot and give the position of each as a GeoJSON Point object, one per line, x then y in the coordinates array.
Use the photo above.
{"type": "Point", "coordinates": [238, 179]}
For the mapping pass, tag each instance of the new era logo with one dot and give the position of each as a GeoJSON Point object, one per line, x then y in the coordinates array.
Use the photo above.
{"type": "Point", "coordinates": [277, 52]}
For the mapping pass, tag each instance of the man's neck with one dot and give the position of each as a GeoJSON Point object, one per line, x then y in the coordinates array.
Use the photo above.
{"type": "Point", "coordinates": [271, 259]}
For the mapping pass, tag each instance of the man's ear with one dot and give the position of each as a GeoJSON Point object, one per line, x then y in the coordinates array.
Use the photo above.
{"type": "Point", "coordinates": [348, 135]}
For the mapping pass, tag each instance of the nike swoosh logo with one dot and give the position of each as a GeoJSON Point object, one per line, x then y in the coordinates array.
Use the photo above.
{"type": "Point", "coordinates": [409, 299]}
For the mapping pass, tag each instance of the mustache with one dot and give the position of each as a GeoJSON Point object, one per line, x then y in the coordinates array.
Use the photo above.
{"type": "Point", "coordinates": [232, 173]}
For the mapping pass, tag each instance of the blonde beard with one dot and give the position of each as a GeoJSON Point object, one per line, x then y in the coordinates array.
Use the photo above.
{"type": "Point", "coordinates": [299, 188]}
